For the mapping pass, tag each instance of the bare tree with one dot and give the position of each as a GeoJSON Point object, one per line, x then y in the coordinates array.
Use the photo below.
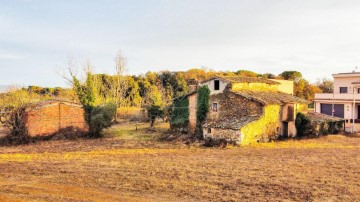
{"type": "Point", "coordinates": [120, 86]}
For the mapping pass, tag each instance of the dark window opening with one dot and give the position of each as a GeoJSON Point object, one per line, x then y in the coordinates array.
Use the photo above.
{"type": "Point", "coordinates": [290, 115]}
{"type": "Point", "coordinates": [359, 90]}
{"type": "Point", "coordinates": [343, 89]}
{"type": "Point", "coordinates": [215, 107]}
{"type": "Point", "coordinates": [209, 130]}
{"type": "Point", "coordinates": [216, 85]}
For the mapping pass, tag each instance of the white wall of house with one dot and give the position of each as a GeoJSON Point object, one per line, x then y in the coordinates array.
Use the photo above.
{"type": "Point", "coordinates": [345, 80]}
{"type": "Point", "coordinates": [347, 107]}
{"type": "Point", "coordinates": [211, 85]}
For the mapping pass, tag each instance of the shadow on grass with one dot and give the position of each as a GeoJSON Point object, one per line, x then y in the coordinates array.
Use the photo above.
{"type": "Point", "coordinates": [69, 133]}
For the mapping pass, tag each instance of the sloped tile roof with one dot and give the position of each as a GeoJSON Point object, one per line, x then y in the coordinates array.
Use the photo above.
{"type": "Point", "coordinates": [241, 79]}
{"type": "Point", "coordinates": [271, 97]}
{"type": "Point", "coordinates": [318, 117]}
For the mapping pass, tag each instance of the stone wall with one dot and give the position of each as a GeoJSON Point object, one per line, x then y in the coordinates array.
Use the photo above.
{"type": "Point", "coordinates": [265, 128]}
{"type": "Point", "coordinates": [51, 118]}
{"type": "Point", "coordinates": [192, 113]}
{"type": "Point", "coordinates": [227, 134]}
{"type": "Point", "coordinates": [210, 84]}
{"type": "Point", "coordinates": [233, 112]}
{"type": "Point", "coordinates": [232, 107]}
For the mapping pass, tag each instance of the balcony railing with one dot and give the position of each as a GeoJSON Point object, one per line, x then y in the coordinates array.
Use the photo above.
{"type": "Point", "coordinates": [336, 96]}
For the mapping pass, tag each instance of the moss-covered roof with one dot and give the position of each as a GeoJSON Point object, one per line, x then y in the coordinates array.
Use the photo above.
{"type": "Point", "coordinates": [318, 117]}
{"type": "Point", "coordinates": [271, 97]}
{"type": "Point", "coordinates": [241, 79]}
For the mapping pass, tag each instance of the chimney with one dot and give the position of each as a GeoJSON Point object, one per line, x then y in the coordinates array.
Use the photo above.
{"type": "Point", "coordinates": [192, 84]}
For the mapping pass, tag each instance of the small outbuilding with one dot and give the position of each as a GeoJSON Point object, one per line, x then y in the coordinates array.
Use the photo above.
{"type": "Point", "coordinates": [50, 117]}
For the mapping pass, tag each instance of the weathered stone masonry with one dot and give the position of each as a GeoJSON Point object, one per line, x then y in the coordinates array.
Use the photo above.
{"type": "Point", "coordinates": [233, 112]}
{"type": "Point", "coordinates": [50, 117]}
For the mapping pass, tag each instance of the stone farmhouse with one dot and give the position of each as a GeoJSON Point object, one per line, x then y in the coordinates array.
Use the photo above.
{"type": "Point", "coordinates": [247, 110]}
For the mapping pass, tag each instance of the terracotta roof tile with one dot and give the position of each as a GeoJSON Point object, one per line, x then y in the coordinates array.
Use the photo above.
{"type": "Point", "coordinates": [240, 79]}
{"type": "Point", "coordinates": [271, 97]}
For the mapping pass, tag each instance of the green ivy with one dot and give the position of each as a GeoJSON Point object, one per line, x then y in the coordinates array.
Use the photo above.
{"type": "Point", "coordinates": [180, 112]}
{"type": "Point", "coordinates": [202, 107]}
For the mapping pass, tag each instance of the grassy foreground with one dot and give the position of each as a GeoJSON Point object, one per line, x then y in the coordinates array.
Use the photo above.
{"type": "Point", "coordinates": [133, 166]}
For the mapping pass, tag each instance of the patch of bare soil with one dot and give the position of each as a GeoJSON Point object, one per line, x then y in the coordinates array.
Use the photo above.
{"type": "Point", "coordinates": [113, 169]}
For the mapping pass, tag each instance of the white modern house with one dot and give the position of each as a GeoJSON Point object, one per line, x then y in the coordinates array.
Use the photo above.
{"type": "Point", "coordinates": [344, 102]}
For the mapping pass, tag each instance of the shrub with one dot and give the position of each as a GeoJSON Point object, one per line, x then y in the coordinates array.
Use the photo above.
{"type": "Point", "coordinates": [302, 124]}
{"type": "Point", "coordinates": [101, 117]}
{"type": "Point", "coordinates": [154, 111]}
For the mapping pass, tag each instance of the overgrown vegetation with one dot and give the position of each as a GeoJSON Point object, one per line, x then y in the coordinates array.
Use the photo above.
{"type": "Point", "coordinates": [303, 126]}
{"type": "Point", "coordinates": [101, 117]}
{"type": "Point", "coordinates": [155, 111]}
{"type": "Point", "coordinates": [203, 98]}
{"type": "Point", "coordinates": [180, 113]}
{"type": "Point", "coordinates": [310, 127]}
{"type": "Point", "coordinates": [98, 116]}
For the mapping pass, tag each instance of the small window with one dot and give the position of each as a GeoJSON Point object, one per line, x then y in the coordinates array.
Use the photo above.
{"type": "Point", "coordinates": [215, 107]}
{"type": "Point", "coordinates": [358, 90]}
{"type": "Point", "coordinates": [216, 85]}
{"type": "Point", "coordinates": [343, 89]}
{"type": "Point", "coordinates": [209, 130]}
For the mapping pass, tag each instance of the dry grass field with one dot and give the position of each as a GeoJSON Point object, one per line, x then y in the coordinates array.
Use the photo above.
{"type": "Point", "coordinates": [131, 165]}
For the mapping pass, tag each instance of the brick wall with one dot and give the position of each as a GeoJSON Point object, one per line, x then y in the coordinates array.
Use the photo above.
{"type": "Point", "coordinates": [49, 118]}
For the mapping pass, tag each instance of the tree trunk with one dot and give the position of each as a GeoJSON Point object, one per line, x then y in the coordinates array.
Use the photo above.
{"type": "Point", "coordinates": [152, 123]}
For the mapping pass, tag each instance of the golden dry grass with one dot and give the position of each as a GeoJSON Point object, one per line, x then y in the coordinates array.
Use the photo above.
{"type": "Point", "coordinates": [143, 169]}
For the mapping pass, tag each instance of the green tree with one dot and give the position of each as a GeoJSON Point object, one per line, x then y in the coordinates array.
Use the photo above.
{"type": "Point", "coordinates": [179, 84]}
{"type": "Point", "coordinates": [132, 93]}
{"type": "Point", "coordinates": [291, 75]}
{"type": "Point", "coordinates": [154, 111]}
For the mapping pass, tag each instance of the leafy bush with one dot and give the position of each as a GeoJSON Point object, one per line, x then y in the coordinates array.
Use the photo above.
{"type": "Point", "coordinates": [154, 111]}
{"type": "Point", "coordinates": [302, 124]}
{"type": "Point", "coordinates": [101, 117]}
{"type": "Point", "coordinates": [202, 108]}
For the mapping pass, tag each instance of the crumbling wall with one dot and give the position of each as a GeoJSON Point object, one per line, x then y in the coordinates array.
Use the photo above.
{"type": "Point", "coordinates": [227, 134]}
{"type": "Point", "coordinates": [315, 124]}
{"type": "Point", "coordinates": [51, 118]}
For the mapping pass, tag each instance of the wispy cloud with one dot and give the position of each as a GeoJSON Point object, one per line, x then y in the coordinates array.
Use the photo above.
{"type": "Point", "coordinates": [9, 56]}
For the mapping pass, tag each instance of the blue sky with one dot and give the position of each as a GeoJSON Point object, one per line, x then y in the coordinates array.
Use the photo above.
{"type": "Point", "coordinates": [317, 38]}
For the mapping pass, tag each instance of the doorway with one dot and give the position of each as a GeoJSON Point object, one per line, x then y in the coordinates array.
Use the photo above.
{"type": "Point", "coordinates": [285, 129]}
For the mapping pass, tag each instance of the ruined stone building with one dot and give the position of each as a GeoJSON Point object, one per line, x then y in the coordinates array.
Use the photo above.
{"type": "Point", "coordinates": [246, 110]}
{"type": "Point", "coordinates": [49, 117]}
